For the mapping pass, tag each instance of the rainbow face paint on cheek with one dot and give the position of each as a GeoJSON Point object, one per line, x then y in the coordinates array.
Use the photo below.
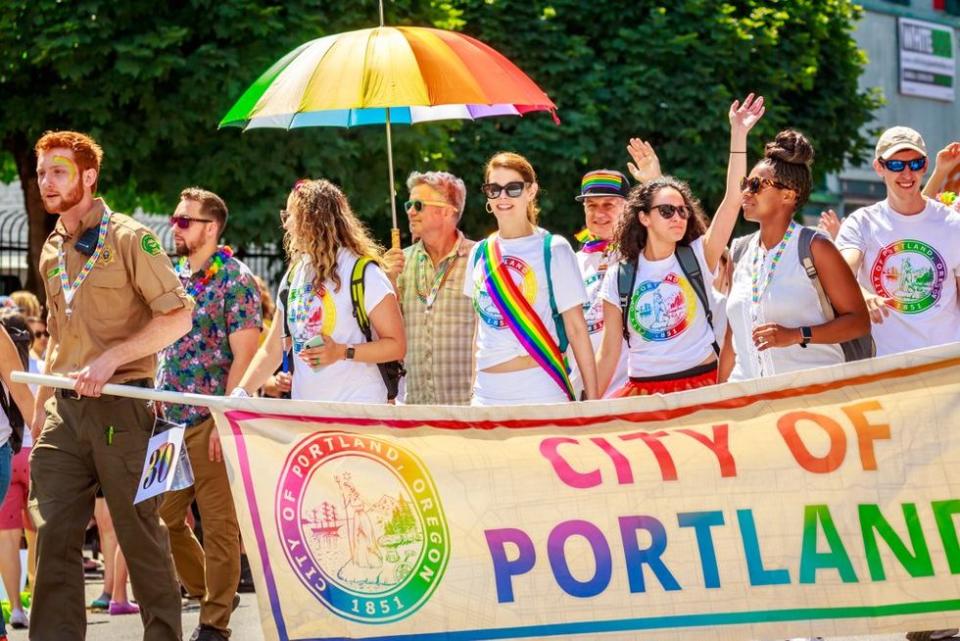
{"type": "Point", "coordinates": [69, 165]}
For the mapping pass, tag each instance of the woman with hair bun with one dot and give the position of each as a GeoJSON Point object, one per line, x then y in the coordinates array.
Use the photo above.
{"type": "Point", "coordinates": [776, 323]}
{"type": "Point", "coordinates": [659, 296]}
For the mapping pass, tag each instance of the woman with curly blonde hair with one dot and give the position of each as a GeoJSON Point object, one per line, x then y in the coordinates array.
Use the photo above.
{"type": "Point", "coordinates": [315, 318]}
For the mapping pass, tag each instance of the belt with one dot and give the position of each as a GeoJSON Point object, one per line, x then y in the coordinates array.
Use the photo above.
{"type": "Point", "coordinates": [687, 373]}
{"type": "Point", "coordinates": [69, 394]}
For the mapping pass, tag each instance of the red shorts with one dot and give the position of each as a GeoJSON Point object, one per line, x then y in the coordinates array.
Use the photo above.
{"type": "Point", "coordinates": [13, 512]}
{"type": "Point", "coordinates": [700, 376]}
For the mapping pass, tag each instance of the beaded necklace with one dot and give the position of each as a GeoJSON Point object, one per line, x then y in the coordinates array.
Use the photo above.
{"type": "Point", "coordinates": [428, 298]}
{"type": "Point", "coordinates": [590, 243]}
{"type": "Point", "coordinates": [221, 256]}
{"type": "Point", "coordinates": [69, 291]}
{"type": "Point", "coordinates": [757, 290]}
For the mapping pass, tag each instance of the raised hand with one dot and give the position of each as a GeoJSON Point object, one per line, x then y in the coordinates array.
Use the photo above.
{"type": "Point", "coordinates": [744, 117]}
{"type": "Point", "coordinates": [829, 223]}
{"type": "Point", "coordinates": [645, 166]}
{"type": "Point", "coordinates": [948, 158]}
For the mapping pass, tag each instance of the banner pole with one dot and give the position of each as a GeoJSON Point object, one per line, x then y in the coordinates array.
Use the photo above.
{"type": "Point", "coordinates": [130, 391]}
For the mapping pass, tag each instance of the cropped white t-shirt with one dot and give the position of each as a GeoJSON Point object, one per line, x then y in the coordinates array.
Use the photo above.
{"type": "Point", "coordinates": [669, 332]}
{"type": "Point", "coordinates": [331, 313]}
{"type": "Point", "coordinates": [524, 258]}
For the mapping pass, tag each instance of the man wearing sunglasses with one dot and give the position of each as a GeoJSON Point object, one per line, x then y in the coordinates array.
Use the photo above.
{"type": "Point", "coordinates": [210, 359]}
{"type": "Point", "coordinates": [905, 252]}
{"type": "Point", "coordinates": [439, 320]}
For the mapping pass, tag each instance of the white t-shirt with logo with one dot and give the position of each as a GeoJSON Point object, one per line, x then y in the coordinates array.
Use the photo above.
{"type": "Point", "coordinates": [331, 313]}
{"type": "Point", "coordinates": [669, 332]}
{"type": "Point", "coordinates": [593, 267]}
{"type": "Point", "coordinates": [915, 260]}
{"type": "Point", "coordinates": [524, 258]}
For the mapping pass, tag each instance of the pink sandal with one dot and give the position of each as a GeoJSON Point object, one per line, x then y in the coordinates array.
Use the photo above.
{"type": "Point", "coordinates": [124, 607]}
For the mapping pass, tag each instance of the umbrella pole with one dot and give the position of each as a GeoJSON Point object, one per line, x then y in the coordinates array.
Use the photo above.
{"type": "Point", "coordinates": [395, 231]}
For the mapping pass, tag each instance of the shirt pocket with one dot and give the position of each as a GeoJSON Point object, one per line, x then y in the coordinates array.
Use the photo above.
{"type": "Point", "coordinates": [109, 294]}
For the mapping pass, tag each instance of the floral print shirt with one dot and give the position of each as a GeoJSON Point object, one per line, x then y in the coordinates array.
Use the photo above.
{"type": "Point", "coordinates": [199, 362]}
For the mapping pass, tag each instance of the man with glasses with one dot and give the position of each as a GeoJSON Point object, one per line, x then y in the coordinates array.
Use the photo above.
{"type": "Point", "coordinates": [209, 360]}
{"type": "Point", "coordinates": [905, 252]}
{"type": "Point", "coordinates": [439, 320]}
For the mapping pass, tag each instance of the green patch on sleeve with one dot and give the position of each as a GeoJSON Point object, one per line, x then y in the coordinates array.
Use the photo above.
{"type": "Point", "coordinates": [150, 245]}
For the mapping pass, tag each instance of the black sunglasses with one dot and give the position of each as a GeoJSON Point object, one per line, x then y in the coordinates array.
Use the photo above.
{"type": "Point", "coordinates": [668, 211]}
{"type": "Point", "coordinates": [493, 190]}
{"type": "Point", "coordinates": [896, 166]}
{"type": "Point", "coordinates": [41, 334]}
{"type": "Point", "coordinates": [183, 222]}
{"type": "Point", "coordinates": [756, 184]}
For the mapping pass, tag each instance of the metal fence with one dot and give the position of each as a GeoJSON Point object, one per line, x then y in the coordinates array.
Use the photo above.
{"type": "Point", "coordinates": [266, 261]}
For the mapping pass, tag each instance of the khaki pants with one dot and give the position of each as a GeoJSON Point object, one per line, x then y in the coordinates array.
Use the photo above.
{"type": "Point", "coordinates": [69, 460]}
{"type": "Point", "coordinates": [211, 572]}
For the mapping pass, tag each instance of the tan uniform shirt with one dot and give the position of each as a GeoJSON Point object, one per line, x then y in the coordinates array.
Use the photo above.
{"type": "Point", "coordinates": [131, 282]}
{"type": "Point", "coordinates": [439, 358]}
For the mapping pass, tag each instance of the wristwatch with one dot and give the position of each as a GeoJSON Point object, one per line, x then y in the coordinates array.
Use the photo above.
{"type": "Point", "coordinates": [350, 353]}
{"type": "Point", "coordinates": [806, 335]}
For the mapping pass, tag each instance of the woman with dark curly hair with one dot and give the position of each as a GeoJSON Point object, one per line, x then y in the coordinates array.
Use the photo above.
{"type": "Point", "coordinates": [658, 297]}
{"type": "Point", "coordinates": [315, 317]}
{"type": "Point", "coordinates": [776, 322]}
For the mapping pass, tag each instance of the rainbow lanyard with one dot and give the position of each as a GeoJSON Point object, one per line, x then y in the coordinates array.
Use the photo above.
{"type": "Point", "coordinates": [757, 290]}
{"type": "Point", "coordinates": [439, 276]}
{"type": "Point", "coordinates": [69, 291]}
{"type": "Point", "coordinates": [590, 243]}
{"type": "Point", "coordinates": [221, 256]}
{"type": "Point", "coordinates": [522, 319]}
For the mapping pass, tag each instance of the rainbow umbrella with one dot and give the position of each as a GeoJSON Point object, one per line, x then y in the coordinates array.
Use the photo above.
{"type": "Point", "coordinates": [384, 75]}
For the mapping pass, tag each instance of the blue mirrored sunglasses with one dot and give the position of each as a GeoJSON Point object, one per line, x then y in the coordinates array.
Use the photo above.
{"type": "Point", "coordinates": [915, 164]}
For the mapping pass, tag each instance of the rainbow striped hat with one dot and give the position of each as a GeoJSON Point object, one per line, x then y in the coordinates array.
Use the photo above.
{"type": "Point", "coordinates": [603, 182]}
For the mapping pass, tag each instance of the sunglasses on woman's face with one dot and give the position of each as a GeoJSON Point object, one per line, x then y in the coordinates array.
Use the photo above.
{"type": "Point", "coordinates": [41, 334]}
{"type": "Point", "coordinates": [896, 166]}
{"type": "Point", "coordinates": [493, 190]}
{"type": "Point", "coordinates": [756, 184]}
{"type": "Point", "coordinates": [284, 214]}
{"type": "Point", "coordinates": [669, 211]}
{"type": "Point", "coordinates": [417, 205]}
{"type": "Point", "coordinates": [183, 222]}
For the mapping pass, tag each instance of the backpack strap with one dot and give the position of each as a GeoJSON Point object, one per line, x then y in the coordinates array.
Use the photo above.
{"type": "Point", "coordinates": [805, 255]}
{"type": "Point", "coordinates": [626, 274]}
{"type": "Point", "coordinates": [691, 268]}
{"type": "Point", "coordinates": [357, 292]}
{"type": "Point", "coordinates": [562, 341]}
{"type": "Point", "coordinates": [283, 293]}
{"type": "Point", "coordinates": [739, 246]}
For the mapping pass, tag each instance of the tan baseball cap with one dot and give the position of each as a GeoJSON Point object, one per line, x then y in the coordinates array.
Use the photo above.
{"type": "Point", "coordinates": [897, 139]}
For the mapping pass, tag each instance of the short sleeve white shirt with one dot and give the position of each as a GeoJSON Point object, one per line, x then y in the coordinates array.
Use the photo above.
{"type": "Point", "coordinates": [593, 267]}
{"type": "Point", "coordinates": [331, 313]}
{"type": "Point", "coordinates": [914, 260]}
{"type": "Point", "coordinates": [524, 258]}
{"type": "Point", "coordinates": [669, 332]}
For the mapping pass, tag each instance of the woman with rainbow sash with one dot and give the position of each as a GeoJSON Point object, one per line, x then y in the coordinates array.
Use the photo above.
{"type": "Point", "coordinates": [526, 320]}
{"type": "Point", "coordinates": [669, 256]}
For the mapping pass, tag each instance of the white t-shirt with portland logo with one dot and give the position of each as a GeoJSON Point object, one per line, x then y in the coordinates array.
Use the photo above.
{"type": "Point", "coordinates": [593, 267]}
{"type": "Point", "coordinates": [915, 260]}
{"type": "Point", "coordinates": [331, 313]}
{"type": "Point", "coordinates": [523, 257]}
{"type": "Point", "coordinates": [669, 332]}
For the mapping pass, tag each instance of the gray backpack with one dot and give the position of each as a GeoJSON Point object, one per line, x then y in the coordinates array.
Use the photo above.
{"type": "Point", "coordinates": [854, 350]}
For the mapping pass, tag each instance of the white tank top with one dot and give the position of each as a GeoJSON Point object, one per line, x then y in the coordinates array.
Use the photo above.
{"type": "Point", "coordinates": [789, 299]}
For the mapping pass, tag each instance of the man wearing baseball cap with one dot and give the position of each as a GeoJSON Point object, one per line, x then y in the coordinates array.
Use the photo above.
{"type": "Point", "coordinates": [905, 252]}
{"type": "Point", "coordinates": [603, 193]}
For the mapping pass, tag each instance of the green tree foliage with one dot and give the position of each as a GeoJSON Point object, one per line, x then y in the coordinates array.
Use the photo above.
{"type": "Point", "coordinates": [666, 72]}
{"type": "Point", "coordinates": [401, 521]}
{"type": "Point", "coordinates": [150, 81]}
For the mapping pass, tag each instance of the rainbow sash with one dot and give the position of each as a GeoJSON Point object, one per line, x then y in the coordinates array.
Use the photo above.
{"type": "Point", "coordinates": [590, 244]}
{"type": "Point", "coordinates": [521, 318]}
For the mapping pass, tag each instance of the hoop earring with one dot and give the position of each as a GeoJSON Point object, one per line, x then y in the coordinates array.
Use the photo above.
{"type": "Point", "coordinates": [489, 207]}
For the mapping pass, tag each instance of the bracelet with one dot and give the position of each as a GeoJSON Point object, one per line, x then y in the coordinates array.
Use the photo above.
{"type": "Point", "coordinates": [737, 152]}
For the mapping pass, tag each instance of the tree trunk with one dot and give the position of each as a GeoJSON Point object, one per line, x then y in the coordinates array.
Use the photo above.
{"type": "Point", "coordinates": [40, 222]}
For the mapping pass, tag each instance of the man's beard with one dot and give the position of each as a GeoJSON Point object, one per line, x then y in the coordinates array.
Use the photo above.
{"type": "Point", "coordinates": [69, 201]}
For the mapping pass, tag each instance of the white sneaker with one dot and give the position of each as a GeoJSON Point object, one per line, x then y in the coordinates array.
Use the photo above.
{"type": "Point", "coordinates": [19, 620]}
